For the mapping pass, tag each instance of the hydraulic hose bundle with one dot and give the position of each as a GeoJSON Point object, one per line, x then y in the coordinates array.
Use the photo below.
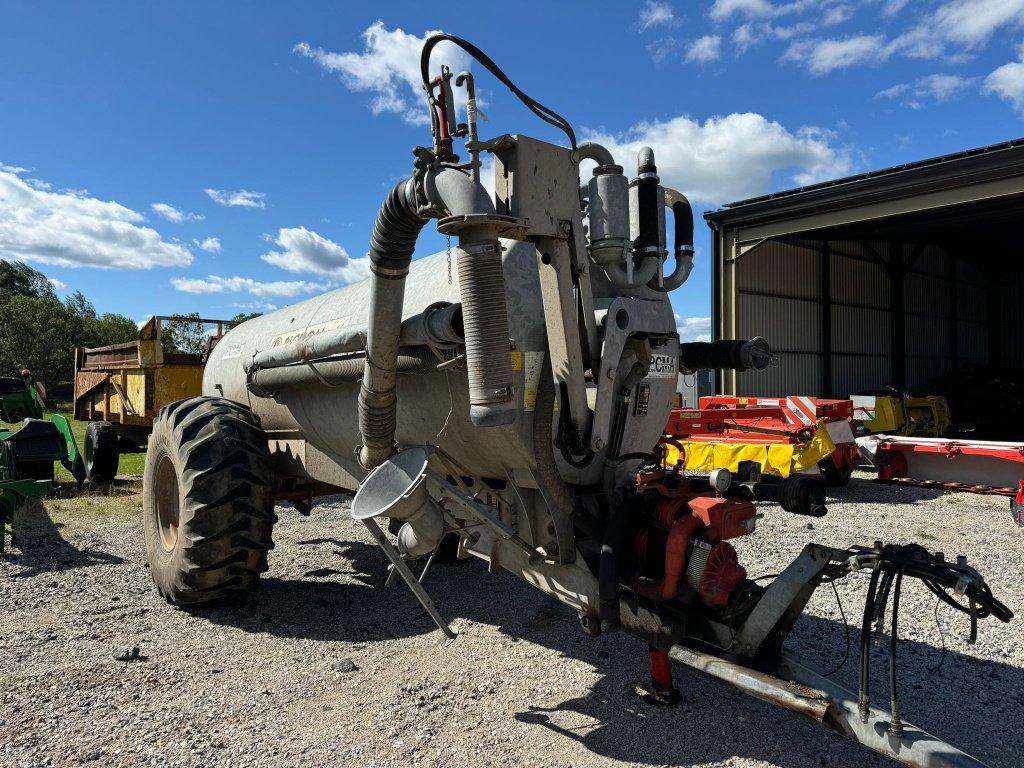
{"type": "Point", "coordinates": [889, 565]}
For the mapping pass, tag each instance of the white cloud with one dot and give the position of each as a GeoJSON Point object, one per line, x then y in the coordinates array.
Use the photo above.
{"type": "Point", "coordinates": [210, 244]}
{"type": "Point", "coordinates": [972, 22]}
{"type": "Point", "coordinates": [389, 68]}
{"type": "Point", "coordinates": [655, 14]}
{"type": "Point", "coordinates": [693, 328]}
{"type": "Point", "coordinates": [960, 25]}
{"type": "Point", "coordinates": [1007, 81]}
{"type": "Point", "coordinates": [729, 158]}
{"type": "Point", "coordinates": [893, 7]}
{"type": "Point", "coordinates": [822, 56]}
{"type": "Point", "coordinates": [173, 214]}
{"type": "Point", "coordinates": [58, 285]}
{"type": "Point", "coordinates": [216, 284]}
{"type": "Point", "coordinates": [255, 306]}
{"type": "Point", "coordinates": [939, 87]}
{"type": "Point", "coordinates": [704, 49]}
{"type": "Point", "coordinates": [307, 252]}
{"type": "Point", "coordinates": [723, 9]}
{"type": "Point", "coordinates": [240, 198]}
{"type": "Point", "coordinates": [71, 229]}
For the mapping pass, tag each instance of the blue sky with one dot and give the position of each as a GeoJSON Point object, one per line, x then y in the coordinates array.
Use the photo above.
{"type": "Point", "coordinates": [227, 157]}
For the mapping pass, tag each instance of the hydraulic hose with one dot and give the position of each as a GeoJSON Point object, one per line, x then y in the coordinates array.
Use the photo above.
{"type": "Point", "coordinates": [391, 247]}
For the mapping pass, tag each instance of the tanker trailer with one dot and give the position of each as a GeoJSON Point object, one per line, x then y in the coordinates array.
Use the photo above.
{"type": "Point", "coordinates": [513, 392]}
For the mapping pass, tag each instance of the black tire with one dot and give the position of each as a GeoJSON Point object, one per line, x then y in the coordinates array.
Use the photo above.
{"type": "Point", "coordinates": [102, 452]}
{"type": "Point", "coordinates": [835, 477]}
{"type": "Point", "coordinates": [208, 501]}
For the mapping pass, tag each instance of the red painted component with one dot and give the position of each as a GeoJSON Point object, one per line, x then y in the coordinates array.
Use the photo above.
{"type": "Point", "coordinates": [895, 466]}
{"type": "Point", "coordinates": [830, 410]}
{"type": "Point", "coordinates": [721, 576]}
{"type": "Point", "coordinates": [953, 449]}
{"type": "Point", "coordinates": [667, 510]}
{"type": "Point", "coordinates": [685, 422]}
{"type": "Point", "coordinates": [661, 671]}
{"type": "Point", "coordinates": [643, 537]}
{"type": "Point", "coordinates": [724, 518]}
{"type": "Point", "coordinates": [677, 550]}
{"type": "Point", "coordinates": [441, 107]}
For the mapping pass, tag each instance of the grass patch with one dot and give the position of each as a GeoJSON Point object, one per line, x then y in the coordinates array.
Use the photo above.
{"type": "Point", "coordinates": [120, 499]}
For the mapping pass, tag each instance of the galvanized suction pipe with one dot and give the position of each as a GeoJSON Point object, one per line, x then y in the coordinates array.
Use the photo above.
{"type": "Point", "coordinates": [391, 248]}
{"type": "Point", "coordinates": [450, 193]}
{"type": "Point", "coordinates": [482, 292]}
{"type": "Point", "coordinates": [266, 382]}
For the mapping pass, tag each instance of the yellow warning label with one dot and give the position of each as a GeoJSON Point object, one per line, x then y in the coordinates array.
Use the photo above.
{"type": "Point", "coordinates": [534, 363]}
{"type": "Point", "coordinates": [517, 361]}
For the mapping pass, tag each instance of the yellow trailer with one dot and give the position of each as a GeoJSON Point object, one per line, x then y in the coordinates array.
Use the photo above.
{"type": "Point", "coordinates": [121, 388]}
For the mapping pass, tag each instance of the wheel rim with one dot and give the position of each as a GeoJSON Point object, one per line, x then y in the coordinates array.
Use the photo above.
{"type": "Point", "coordinates": [88, 453]}
{"type": "Point", "coordinates": [167, 499]}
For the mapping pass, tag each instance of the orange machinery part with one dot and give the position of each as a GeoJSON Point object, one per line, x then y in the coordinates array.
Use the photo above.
{"type": "Point", "coordinates": [723, 518]}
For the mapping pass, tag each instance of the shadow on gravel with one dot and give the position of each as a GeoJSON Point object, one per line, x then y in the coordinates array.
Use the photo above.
{"type": "Point", "coordinates": [42, 549]}
{"type": "Point", "coordinates": [972, 703]}
{"type": "Point", "coordinates": [714, 723]}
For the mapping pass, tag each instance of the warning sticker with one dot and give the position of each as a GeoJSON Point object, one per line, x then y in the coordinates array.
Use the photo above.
{"type": "Point", "coordinates": [533, 363]}
{"type": "Point", "coordinates": [232, 352]}
{"type": "Point", "coordinates": [517, 361]}
{"type": "Point", "coordinates": [662, 367]}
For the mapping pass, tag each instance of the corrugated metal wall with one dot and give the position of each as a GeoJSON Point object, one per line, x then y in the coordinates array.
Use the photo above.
{"type": "Point", "coordinates": [946, 316]}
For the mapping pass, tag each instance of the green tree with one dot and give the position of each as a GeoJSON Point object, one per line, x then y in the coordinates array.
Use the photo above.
{"type": "Point", "coordinates": [80, 305]}
{"type": "Point", "coordinates": [19, 279]}
{"type": "Point", "coordinates": [39, 334]}
{"type": "Point", "coordinates": [109, 328]}
{"type": "Point", "coordinates": [241, 317]}
{"type": "Point", "coordinates": [183, 334]}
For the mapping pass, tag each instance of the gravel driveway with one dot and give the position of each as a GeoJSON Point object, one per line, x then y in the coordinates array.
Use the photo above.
{"type": "Point", "coordinates": [256, 684]}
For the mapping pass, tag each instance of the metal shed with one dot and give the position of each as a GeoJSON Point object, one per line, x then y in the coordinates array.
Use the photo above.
{"type": "Point", "coordinates": [896, 276]}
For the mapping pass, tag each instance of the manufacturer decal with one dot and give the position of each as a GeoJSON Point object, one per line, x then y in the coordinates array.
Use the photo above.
{"type": "Point", "coordinates": [232, 352]}
{"type": "Point", "coordinates": [312, 330]}
{"type": "Point", "coordinates": [662, 367]}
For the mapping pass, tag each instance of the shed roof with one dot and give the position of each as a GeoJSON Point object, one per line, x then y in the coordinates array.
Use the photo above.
{"type": "Point", "coordinates": [960, 169]}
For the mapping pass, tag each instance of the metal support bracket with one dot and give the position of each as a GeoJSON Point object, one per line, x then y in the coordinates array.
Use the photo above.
{"type": "Point", "coordinates": [783, 601]}
{"type": "Point", "coordinates": [407, 575]}
{"type": "Point", "coordinates": [554, 263]}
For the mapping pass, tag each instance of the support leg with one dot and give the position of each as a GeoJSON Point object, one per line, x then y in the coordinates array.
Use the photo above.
{"type": "Point", "coordinates": [662, 693]}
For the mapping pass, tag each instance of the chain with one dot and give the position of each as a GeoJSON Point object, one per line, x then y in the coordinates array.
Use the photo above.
{"type": "Point", "coordinates": [449, 259]}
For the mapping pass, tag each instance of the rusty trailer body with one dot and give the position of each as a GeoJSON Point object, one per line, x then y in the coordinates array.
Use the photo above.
{"type": "Point", "coordinates": [122, 387]}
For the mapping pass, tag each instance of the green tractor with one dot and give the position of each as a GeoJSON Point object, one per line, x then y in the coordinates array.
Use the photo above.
{"type": "Point", "coordinates": [28, 453]}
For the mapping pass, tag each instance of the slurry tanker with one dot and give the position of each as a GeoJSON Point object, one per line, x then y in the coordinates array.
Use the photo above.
{"type": "Point", "coordinates": [510, 395]}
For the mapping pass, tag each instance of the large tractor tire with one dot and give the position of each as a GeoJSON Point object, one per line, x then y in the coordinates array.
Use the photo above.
{"type": "Point", "coordinates": [208, 501]}
{"type": "Point", "coordinates": [102, 452]}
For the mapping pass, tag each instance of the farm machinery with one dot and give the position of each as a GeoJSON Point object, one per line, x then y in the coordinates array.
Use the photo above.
{"type": "Point", "coordinates": [512, 394]}
{"type": "Point", "coordinates": [120, 388]}
{"type": "Point", "coordinates": [28, 453]}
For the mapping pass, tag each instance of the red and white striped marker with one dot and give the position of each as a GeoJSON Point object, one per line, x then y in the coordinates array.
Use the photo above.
{"type": "Point", "coordinates": [41, 392]}
{"type": "Point", "coordinates": [803, 409]}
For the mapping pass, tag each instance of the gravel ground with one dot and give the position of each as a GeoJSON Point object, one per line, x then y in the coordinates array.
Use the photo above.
{"type": "Point", "coordinates": [256, 684]}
